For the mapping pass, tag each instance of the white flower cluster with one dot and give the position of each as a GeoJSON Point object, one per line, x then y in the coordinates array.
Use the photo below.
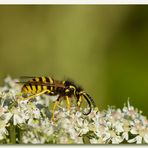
{"type": "Point", "coordinates": [29, 122]}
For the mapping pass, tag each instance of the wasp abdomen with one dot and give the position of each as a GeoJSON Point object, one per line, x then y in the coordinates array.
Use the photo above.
{"type": "Point", "coordinates": [34, 88]}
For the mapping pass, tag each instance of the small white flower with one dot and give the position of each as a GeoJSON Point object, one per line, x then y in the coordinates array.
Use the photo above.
{"type": "Point", "coordinates": [146, 138]}
{"type": "Point", "coordinates": [83, 127]}
{"type": "Point", "coordinates": [93, 141]}
{"type": "Point", "coordinates": [2, 110]}
{"type": "Point", "coordinates": [102, 131]}
{"type": "Point", "coordinates": [108, 123]}
{"type": "Point", "coordinates": [65, 123]}
{"type": "Point", "coordinates": [106, 136]}
{"type": "Point", "coordinates": [114, 138]}
{"type": "Point", "coordinates": [117, 115]}
{"type": "Point", "coordinates": [73, 133]}
{"type": "Point", "coordinates": [126, 129]}
{"type": "Point", "coordinates": [137, 139]}
{"type": "Point", "coordinates": [64, 140]}
{"type": "Point", "coordinates": [117, 140]}
{"type": "Point", "coordinates": [125, 135]}
{"type": "Point", "coordinates": [3, 130]}
{"type": "Point", "coordinates": [36, 113]}
{"type": "Point", "coordinates": [134, 131]}
{"type": "Point", "coordinates": [92, 127]}
{"type": "Point", "coordinates": [33, 123]}
{"type": "Point", "coordinates": [118, 127]}
{"type": "Point", "coordinates": [142, 134]}
{"type": "Point", "coordinates": [18, 117]}
{"type": "Point", "coordinates": [49, 130]}
{"type": "Point", "coordinates": [7, 116]}
{"type": "Point", "coordinates": [78, 114]}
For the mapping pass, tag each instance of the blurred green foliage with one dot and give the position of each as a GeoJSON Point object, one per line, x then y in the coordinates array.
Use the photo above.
{"type": "Point", "coordinates": [102, 48]}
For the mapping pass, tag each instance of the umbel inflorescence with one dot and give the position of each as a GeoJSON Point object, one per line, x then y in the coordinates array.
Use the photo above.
{"type": "Point", "coordinates": [29, 122]}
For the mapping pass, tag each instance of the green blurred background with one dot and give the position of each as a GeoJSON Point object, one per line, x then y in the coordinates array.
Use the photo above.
{"type": "Point", "coordinates": [102, 48]}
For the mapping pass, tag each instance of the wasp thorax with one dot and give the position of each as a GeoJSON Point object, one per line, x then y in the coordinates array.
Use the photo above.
{"type": "Point", "coordinates": [69, 91]}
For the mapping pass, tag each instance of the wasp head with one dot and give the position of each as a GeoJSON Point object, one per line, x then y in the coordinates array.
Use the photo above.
{"type": "Point", "coordinates": [70, 88]}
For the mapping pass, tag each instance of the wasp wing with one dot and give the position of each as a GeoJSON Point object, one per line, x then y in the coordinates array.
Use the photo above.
{"type": "Point", "coordinates": [26, 77]}
{"type": "Point", "coordinates": [43, 83]}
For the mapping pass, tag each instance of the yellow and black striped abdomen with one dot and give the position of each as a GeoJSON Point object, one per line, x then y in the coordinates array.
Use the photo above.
{"type": "Point", "coordinates": [34, 88]}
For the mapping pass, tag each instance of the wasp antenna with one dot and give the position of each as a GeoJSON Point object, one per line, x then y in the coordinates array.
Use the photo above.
{"type": "Point", "coordinates": [26, 77]}
{"type": "Point", "coordinates": [91, 99]}
{"type": "Point", "coordinates": [20, 82]}
{"type": "Point", "coordinates": [89, 103]}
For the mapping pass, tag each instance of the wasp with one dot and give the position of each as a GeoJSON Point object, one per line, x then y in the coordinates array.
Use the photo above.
{"type": "Point", "coordinates": [37, 86]}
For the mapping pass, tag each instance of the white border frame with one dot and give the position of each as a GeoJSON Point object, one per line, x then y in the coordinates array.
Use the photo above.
{"type": "Point", "coordinates": [73, 1]}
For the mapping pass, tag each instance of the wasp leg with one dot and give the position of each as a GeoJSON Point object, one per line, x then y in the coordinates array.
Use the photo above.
{"type": "Point", "coordinates": [79, 102]}
{"type": "Point", "coordinates": [54, 107]}
{"type": "Point", "coordinates": [68, 102]}
{"type": "Point", "coordinates": [59, 100]}
{"type": "Point", "coordinates": [38, 94]}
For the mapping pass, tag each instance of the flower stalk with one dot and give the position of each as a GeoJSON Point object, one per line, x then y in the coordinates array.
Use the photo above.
{"type": "Point", "coordinates": [12, 133]}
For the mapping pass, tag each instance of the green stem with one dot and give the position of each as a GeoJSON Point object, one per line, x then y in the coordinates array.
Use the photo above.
{"type": "Point", "coordinates": [12, 134]}
{"type": "Point", "coordinates": [19, 136]}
